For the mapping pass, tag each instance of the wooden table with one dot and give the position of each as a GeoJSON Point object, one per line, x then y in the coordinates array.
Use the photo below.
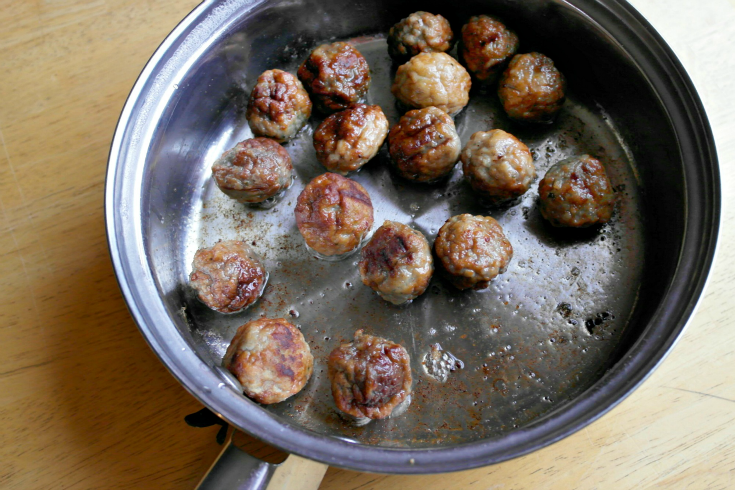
{"type": "Point", "coordinates": [84, 403]}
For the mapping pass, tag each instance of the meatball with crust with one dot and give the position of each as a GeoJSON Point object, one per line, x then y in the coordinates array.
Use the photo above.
{"type": "Point", "coordinates": [336, 75]}
{"type": "Point", "coordinates": [333, 214]}
{"type": "Point", "coordinates": [279, 106]}
{"type": "Point", "coordinates": [576, 193]}
{"type": "Point", "coordinates": [433, 79]}
{"type": "Point", "coordinates": [532, 89]}
{"type": "Point", "coordinates": [486, 46]}
{"type": "Point", "coordinates": [424, 145]}
{"type": "Point", "coordinates": [370, 376]}
{"type": "Point", "coordinates": [472, 250]}
{"type": "Point", "coordinates": [347, 140]}
{"type": "Point", "coordinates": [228, 277]}
{"type": "Point", "coordinates": [396, 263]}
{"type": "Point", "coordinates": [270, 359]}
{"type": "Point", "coordinates": [497, 165]}
{"type": "Point", "coordinates": [420, 32]}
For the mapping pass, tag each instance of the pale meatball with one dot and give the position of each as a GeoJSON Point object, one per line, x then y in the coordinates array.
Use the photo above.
{"type": "Point", "coordinates": [424, 146]}
{"type": "Point", "coordinates": [228, 277]}
{"type": "Point", "coordinates": [433, 79]}
{"type": "Point", "coordinates": [270, 359]}
{"type": "Point", "coordinates": [576, 193]}
{"type": "Point", "coordinates": [336, 75]}
{"type": "Point", "coordinates": [396, 263]}
{"type": "Point", "coordinates": [254, 170]}
{"type": "Point", "coordinates": [347, 140]}
{"type": "Point", "coordinates": [472, 250]}
{"type": "Point", "coordinates": [497, 165]}
{"type": "Point", "coordinates": [279, 106]}
{"type": "Point", "coordinates": [370, 376]}
{"type": "Point", "coordinates": [333, 214]}
{"type": "Point", "coordinates": [486, 46]}
{"type": "Point", "coordinates": [532, 89]}
{"type": "Point", "coordinates": [420, 32]}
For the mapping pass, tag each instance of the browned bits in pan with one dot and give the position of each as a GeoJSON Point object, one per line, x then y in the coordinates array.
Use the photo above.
{"type": "Point", "coordinates": [279, 106]}
{"type": "Point", "coordinates": [486, 46]}
{"type": "Point", "coordinates": [531, 88]}
{"type": "Point", "coordinates": [420, 32]}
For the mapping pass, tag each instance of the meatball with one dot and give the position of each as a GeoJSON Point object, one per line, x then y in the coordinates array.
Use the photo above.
{"type": "Point", "coordinates": [396, 263]}
{"type": "Point", "coordinates": [279, 106]}
{"type": "Point", "coordinates": [497, 165]}
{"type": "Point", "coordinates": [333, 214]}
{"type": "Point", "coordinates": [576, 193]}
{"type": "Point", "coordinates": [420, 32]}
{"type": "Point", "coordinates": [531, 88]}
{"type": "Point", "coordinates": [228, 277]}
{"type": "Point", "coordinates": [370, 376]}
{"type": "Point", "coordinates": [336, 75]}
{"type": "Point", "coordinates": [424, 145]}
{"type": "Point", "coordinates": [486, 46]}
{"type": "Point", "coordinates": [254, 170]}
{"type": "Point", "coordinates": [433, 79]}
{"type": "Point", "coordinates": [270, 359]}
{"type": "Point", "coordinates": [472, 250]}
{"type": "Point", "coordinates": [347, 140]}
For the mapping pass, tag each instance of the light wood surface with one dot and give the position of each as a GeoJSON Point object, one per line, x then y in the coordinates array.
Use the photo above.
{"type": "Point", "coordinates": [84, 403]}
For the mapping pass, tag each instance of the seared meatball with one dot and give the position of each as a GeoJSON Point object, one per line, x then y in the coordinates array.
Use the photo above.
{"type": "Point", "coordinates": [576, 193]}
{"type": "Point", "coordinates": [424, 145]}
{"type": "Point", "coordinates": [228, 277]}
{"type": "Point", "coordinates": [347, 140]}
{"type": "Point", "coordinates": [472, 250]}
{"type": "Point", "coordinates": [270, 359]}
{"type": "Point", "coordinates": [253, 170]}
{"type": "Point", "coordinates": [279, 106]}
{"type": "Point", "coordinates": [433, 79]}
{"type": "Point", "coordinates": [531, 88]}
{"type": "Point", "coordinates": [336, 75]}
{"type": "Point", "coordinates": [333, 214]}
{"type": "Point", "coordinates": [370, 376]}
{"type": "Point", "coordinates": [420, 32]}
{"type": "Point", "coordinates": [486, 46]}
{"type": "Point", "coordinates": [396, 263]}
{"type": "Point", "coordinates": [497, 165]}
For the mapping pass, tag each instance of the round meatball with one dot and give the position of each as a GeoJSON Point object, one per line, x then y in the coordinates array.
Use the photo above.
{"type": "Point", "coordinates": [336, 75]}
{"type": "Point", "coordinates": [420, 32]}
{"type": "Point", "coordinates": [254, 170]}
{"type": "Point", "coordinates": [433, 79]}
{"type": "Point", "coordinates": [228, 277]}
{"type": "Point", "coordinates": [497, 165]}
{"type": "Point", "coordinates": [370, 376]}
{"type": "Point", "coordinates": [334, 214]}
{"type": "Point", "coordinates": [270, 359]}
{"type": "Point", "coordinates": [396, 263]}
{"type": "Point", "coordinates": [486, 46]}
{"type": "Point", "coordinates": [347, 140]}
{"type": "Point", "coordinates": [424, 145]}
{"type": "Point", "coordinates": [279, 106]}
{"type": "Point", "coordinates": [531, 88]}
{"type": "Point", "coordinates": [576, 193]}
{"type": "Point", "coordinates": [472, 250]}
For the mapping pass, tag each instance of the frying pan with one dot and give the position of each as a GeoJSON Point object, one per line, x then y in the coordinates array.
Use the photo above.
{"type": "Point", "coordinates": [576, 323]}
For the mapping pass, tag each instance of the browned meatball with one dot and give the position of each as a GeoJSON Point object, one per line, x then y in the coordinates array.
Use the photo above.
{"type": "Point", "coordinates": [576, 193]}
{"type": "Point", "coordinates": [497, 165]}
{"type": "Point", "coordinates": [433, 79]}
{"type": "Point", "coordinates": [531, 88]}
{"type": "Point", "coordinates": [424, 145]}
{"type": "Point", "coordinates": [472, 250]}
{"type": "Point", "coordinates": [336, 75]}
{"type": "Point", "coordinates": [370, 376]}
{"type": "Point", "coordinates": [347, 140]}
{"type": "Point", "coordinates": [279, 106]}
{"type": "Point", "coordinates": [228, 277]}
{"type": "Point", "coordinates": [486, 46]}
{"type": "Point", "coordinates": [333, 214]}
{"type": "Point", "coordinates": [254, 170]}
{"type": "Point", "coordinates": [270, 359]}
{"type": "Point", "coordinates": [420, 32]}
{"type": "Point", "coordinates": [396, 263]}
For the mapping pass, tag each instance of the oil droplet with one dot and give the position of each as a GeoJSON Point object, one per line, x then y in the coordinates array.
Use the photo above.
{"type": "Point", "coordinates": [221, 385]}
{"type": "Point", "coordinates": [176, 85]}
{"type": "Point", "coordinates": [294, 313]}
{"type": "Point", "coordinates": [414, 207]}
